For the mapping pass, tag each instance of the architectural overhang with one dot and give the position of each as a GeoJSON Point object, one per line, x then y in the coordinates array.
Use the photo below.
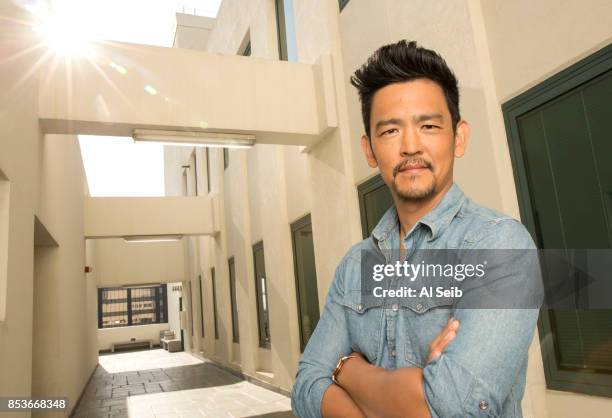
{"type": "Point", "coordinates": [120, 217]}
{"type": "Point", "coordinates": [118, 87]}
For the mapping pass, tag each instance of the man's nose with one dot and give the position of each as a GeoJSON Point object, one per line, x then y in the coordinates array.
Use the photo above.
{"type": "Point", "coordinates": [411, 143]}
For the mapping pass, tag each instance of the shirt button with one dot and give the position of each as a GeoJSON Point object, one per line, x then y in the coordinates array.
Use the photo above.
{"type": "Point", "coordinates": [483, 405]}
{"type": "Point", "coordinates": [360, 307]}
{"type": "Point", "coordinates": [419, 306]}
{"type": "Point", "coordinates": [393, 353]}
{"type": "Point", "coordinates": [395, 307]}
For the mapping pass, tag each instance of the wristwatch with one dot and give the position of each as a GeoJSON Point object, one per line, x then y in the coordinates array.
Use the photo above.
{"type": "Point", "coordinates": [339, 367]}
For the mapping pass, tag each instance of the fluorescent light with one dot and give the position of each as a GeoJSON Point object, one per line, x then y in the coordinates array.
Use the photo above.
{"type": "Point", "coordinates": [140, 286]}
{"type": "Point", "coordinates": [194, 138]}
{"type": "Point", "coordinates": [152, 238]}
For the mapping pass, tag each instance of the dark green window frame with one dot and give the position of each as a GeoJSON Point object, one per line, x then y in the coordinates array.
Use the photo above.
{"type": "Point", "coordinates": [201, 304]}
{"type": "Point", "coordinates": [369, 220]}
{"type": "Point", "coordinates": [579, 381]}
{"type": "Point", "coordinates": [247, 50]}
{"type": "Point", "coordinates": [208, 169]}
{"type": "Point", "coordinates": [343, 3]}
{"type": "Point", "coordinates": [231, 267]}
{"type": "Point", "coordinates": [285, 30]}
{"type": "Point", "coordinates": [225, 158]}
{"type": "Point", "coordinates": [303, 302]}
{"type": "Point", "coordinates": [281, 31]}
{"type": "Point", "coordinates": [214, 295]}
{"type": "Point", "coordinates": [263, 314]}
{"type": "Point", "coordinates": [191, 306]}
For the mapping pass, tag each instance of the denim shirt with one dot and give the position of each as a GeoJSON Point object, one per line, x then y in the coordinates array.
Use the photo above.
{"type": "Point", "coordinates": [481, 373]}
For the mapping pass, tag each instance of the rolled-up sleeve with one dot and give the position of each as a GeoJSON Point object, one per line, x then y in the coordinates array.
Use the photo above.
{"type": "Point", "coordinates": [477, 371]}
{"type": "Point", "coordinates": [328, 342]}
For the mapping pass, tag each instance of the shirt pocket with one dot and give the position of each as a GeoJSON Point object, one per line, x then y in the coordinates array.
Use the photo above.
{"type": "Point", "coordinates": [422, 321]}
{"type": "Point", "coordinates": [364, 321]}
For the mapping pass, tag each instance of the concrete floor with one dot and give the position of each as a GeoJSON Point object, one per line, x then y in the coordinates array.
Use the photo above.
{"type": "Point", "coordinates": [180, 385]}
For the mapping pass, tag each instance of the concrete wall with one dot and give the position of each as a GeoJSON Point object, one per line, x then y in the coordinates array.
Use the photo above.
{"type": "Point", "coordinates": [47, 335]}
{"type": "Point", "coordinates": [114, 217]}
{"type": "Point", "coordinates": [182, 89]}
{"type": "Point", "coordinates": [525, 43]}
{"type": "Point", "coordinates": [19, 142]}
{"type": "Point", "coordinates": [108, 336]}
{"type": "Point", "coordinates": [192, 31]}
{"type": "Point", "coordinates": [268, 187]}
{"type": "Point", "coordinates": [119, 263]}
{"type": "Point", "coordinates": [64, 350]}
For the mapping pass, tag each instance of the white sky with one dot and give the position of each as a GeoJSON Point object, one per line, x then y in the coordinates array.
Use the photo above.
{"type": "Point", "coordinates": [116, 166]}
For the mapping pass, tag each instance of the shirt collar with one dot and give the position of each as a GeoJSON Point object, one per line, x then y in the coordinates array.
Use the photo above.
{"type": "Point", "coordinates": [436, 219]}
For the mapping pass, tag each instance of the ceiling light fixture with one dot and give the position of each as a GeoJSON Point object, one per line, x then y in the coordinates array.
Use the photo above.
{"type": "Point", "coordinates": [152, 238]}
{"type": "Point", "coordinates": [194, 138]}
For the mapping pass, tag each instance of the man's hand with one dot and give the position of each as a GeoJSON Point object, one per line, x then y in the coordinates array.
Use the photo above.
{"type": "Point", "coordinates": [445, 336]}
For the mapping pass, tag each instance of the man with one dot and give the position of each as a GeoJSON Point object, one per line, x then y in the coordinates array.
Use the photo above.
{"type": "Point", "coordinates": [419, 358]}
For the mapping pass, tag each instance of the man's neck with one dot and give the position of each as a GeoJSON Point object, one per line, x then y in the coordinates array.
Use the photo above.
{"type": "Point", "coordinates": [409, 212]}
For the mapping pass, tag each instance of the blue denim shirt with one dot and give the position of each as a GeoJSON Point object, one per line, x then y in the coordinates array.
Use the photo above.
{"type": "Point", "coordinates": [481, 373]}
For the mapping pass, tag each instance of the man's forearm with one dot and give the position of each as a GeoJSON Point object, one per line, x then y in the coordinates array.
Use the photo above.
{"type": "Point", "coordinates": [385, 393]}
{"type": "Point", "coordinates": [336, 403]}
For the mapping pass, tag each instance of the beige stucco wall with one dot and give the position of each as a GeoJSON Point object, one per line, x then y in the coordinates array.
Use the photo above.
{"type": "Point", "coordinates": [64, 349]}
{"type": "Point", "coordinates": [479, 41]}
{"type": "Point", "coordinates": [19, 141]}
{"type": "Point", "coordinates": [47, 338]}
{"type": "Point", "coordinates": [108, 336]}
{"type": "Point", "coordinates": [528, 42]}
{"type": "Point", "coordinates": [120, 263]}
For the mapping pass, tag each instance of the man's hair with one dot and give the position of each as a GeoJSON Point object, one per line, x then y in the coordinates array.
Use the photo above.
{"type": "Point", "coordinates": [399, 62]}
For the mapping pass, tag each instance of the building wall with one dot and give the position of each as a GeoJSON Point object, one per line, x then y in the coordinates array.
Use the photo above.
{"type": "Point", "coordinates": [108, 336]}
{"type": "Point", "coordinates": [64, 348]}
{"type": "Point", "coordinates": [266, 188]}
{"type": "Point", "coordinates": [47, 335]}
{"type": "Point", "coordinates": [526, 43]}
{"type": "Point", "coordinates": [19, 141]}
{"type": "Point", "coordinates": [120, 263]}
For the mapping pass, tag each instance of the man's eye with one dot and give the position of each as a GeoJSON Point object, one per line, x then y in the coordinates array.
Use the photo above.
{"type": "Point", "coordinates": [389, 131]}
{"type": "Point", "coordinates": [429, 127]}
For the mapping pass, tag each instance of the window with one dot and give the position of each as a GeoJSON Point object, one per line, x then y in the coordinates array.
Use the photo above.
{"type": "Point", "coordinates": [262, 296]}
{"type": "Point", "coordinates": [305, 278]}
{"type": "Point", "coordinates": [5, 188]}
{"type": "Point", "coordinates": [285, 29]}
{"type": "Point", "coordinates": [232, 286]}
{"type": "Point", "coordinates": [195, 172]}
{"type": "Point", "coordinates": [191, 308]}
{"type": "Point", "coordinates": [125, 306]}
{"type": "Point", "coordinates": [201, 305]}
{"type": "Point", "coordinates": [374, 200]}
{"type": "Point", "coordinates": [247, 50]}
{"type": "Point", "coordinates": [245, 45]}
{"type": "Point", "coordinates": [553, 128]}
{"type": "Point", "coordinates": [214, 294]}
{"type": "Point", "coordinates": [207, 169]}
{"type": "Point", "coordinates": [225, 158]}
{"type": "Point", "coordinates": [343, 3]}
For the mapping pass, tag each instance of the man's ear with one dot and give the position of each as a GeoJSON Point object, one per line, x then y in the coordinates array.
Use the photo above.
{"type": "Point", "coordinates": [366, 147]}
{"type": "Point", "coordinates": [462, 138]}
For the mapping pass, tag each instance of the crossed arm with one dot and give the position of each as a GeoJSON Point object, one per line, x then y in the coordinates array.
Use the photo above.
{"type": "Point", "coordinates": [368, 390]}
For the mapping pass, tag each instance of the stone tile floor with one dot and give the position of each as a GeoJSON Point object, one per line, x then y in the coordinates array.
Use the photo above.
{"type": "Point", "coordinates": [180, 385]}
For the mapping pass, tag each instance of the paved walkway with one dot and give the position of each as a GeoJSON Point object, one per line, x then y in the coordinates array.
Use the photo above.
{"type": "Point", "coordinates": [190, 390]}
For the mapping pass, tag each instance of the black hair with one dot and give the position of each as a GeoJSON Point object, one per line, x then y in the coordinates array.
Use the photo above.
{"type": "Point", "coordinates": [399, 62]}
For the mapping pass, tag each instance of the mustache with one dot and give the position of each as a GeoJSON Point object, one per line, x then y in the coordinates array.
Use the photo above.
{"type": "Point", "coordinates": [418, 161]}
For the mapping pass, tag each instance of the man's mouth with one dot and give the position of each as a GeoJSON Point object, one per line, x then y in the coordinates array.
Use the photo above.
{"type": "Point", "coordinates": [412, 168]}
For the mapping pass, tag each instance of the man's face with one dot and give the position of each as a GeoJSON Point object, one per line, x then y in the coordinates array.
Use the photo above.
{"type": "Point", "coordinates": [412, 139]}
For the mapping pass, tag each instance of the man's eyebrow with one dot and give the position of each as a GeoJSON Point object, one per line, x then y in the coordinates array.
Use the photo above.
{"type": "Point", "coordinates": [385, 122]}
{"type": "Point", "coordinates": [427, 116]}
